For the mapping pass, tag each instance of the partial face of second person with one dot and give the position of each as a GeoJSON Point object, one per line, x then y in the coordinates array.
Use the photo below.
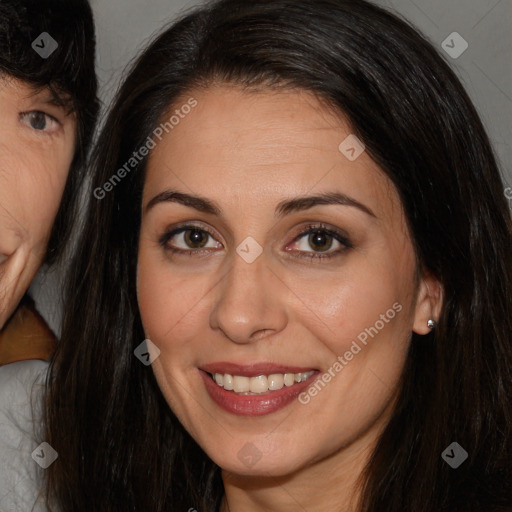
{"type": "Point", "coordinates": [287, 301]}
{"type": "Point", "coordinates": [37, 143]}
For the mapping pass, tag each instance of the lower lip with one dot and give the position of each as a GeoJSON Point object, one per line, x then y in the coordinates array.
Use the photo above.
{"type": "Point", "coordinates": [253, 405]}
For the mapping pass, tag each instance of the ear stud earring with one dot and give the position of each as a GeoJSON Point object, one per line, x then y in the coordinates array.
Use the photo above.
{"type": "Point", "coordinates": [431, 324]}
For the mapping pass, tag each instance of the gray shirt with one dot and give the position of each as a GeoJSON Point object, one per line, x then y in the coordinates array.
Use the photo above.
{"type": "Point", "coordinates": [23, 457]}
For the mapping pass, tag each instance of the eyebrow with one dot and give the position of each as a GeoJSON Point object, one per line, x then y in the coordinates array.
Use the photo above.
{"type": "Point", "coordinates": [49, 96]}
{"type": "Point", "coordinates": [296, 204]}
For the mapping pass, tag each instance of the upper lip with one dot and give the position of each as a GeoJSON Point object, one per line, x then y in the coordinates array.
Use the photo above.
{"type": "Point", "coordinates": [252, 370]}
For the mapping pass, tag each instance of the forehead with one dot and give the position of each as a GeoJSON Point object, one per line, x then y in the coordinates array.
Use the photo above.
{"type": "Point", "coordinates": [13, 89]}
{"type": "Point", "coordinates": [264, 144]}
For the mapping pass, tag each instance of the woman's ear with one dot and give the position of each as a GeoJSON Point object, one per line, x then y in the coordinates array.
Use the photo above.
{"type": "Point", "coordinates": [429, 302]}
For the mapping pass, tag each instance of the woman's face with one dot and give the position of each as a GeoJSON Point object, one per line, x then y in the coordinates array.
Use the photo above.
{"type": "Point", "coordinates": [267, 252]}
{"type": "Point", "coordinates": [37, 142]}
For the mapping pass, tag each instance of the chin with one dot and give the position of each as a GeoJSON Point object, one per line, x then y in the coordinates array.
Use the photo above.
{"type": "Point", "coordinates": [251, 462]}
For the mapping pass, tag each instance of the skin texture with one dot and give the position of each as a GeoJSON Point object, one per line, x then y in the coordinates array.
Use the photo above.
{"type": "Point", "coordinates": [247, 152]}
{"type": "Point", "coordinates": [35, 155]}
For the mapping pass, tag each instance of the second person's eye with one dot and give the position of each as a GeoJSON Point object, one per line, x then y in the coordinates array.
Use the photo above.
{"type": "Point", "coordinates": [40, 121]}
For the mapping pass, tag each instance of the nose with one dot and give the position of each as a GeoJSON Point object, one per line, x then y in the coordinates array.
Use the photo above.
{"type": "Point", "coordinates": [250, 302]}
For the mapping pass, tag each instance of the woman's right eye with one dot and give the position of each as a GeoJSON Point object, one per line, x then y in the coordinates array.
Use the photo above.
{"type": "Point", "coordinates": [189, 239]}
{"type": "Point", "coordinates": [40, 121]}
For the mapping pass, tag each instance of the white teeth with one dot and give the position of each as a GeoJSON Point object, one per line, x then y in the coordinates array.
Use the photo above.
{"type": "Point", "coordinates": [289, 379]}
{"type": "Point", "coordinates": [275, 381]}
{"type": "Point", "coordinates": [259, 384]}
{"type": "Point", "coordinates": [228, 382]}
{"type": "Point", "coordinates": [300, 377]}
{"type": "Point", "coordinates": [241, 384]}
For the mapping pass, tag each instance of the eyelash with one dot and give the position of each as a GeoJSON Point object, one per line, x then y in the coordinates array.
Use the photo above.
{"type": "Point", "coordinates": [310, 229]}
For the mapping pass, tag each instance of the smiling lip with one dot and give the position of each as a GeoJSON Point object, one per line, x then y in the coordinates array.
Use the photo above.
{"type": "Point", "coordinates": [254, 404]}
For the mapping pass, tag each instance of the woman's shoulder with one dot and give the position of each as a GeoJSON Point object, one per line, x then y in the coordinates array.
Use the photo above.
{"type": "Point", "coordinates": [22, 457]}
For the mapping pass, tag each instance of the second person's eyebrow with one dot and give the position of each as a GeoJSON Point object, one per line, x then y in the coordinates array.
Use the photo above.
{"type": "Point", "coordinates": [283, 208]}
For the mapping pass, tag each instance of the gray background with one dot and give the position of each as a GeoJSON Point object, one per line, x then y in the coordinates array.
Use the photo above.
{"type": "Point", "coordinates": [124, 27]}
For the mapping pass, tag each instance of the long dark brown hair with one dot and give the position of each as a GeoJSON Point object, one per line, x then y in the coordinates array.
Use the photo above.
{"type": "Point", "coordinates": [120, 446]}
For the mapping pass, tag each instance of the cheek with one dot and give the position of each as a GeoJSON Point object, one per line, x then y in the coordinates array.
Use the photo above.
{"type": "Point", "coordinates": [32, 183]}
{"type": "Point", "coordinates": [169, 300]}
{"type": "Point", "coordinates": [53, 175]}
{"type": "Point", "coordinates": [362, 302]}
{"type": "Point", "coordinates": [154, 302]}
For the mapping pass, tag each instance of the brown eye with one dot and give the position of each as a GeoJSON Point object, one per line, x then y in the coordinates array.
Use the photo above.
{"type": "Point", "coordinates": [189, 239]}
{"type": "Point", "coordinates": [195, 238]}
{"type": "Point", "coordinates": [320, 241]}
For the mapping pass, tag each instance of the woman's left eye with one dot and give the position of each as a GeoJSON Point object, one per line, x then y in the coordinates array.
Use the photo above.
{"type": "Point", "coordinates": [40, 121]}
{"type": "Point", "coordinates": [320, 242]}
